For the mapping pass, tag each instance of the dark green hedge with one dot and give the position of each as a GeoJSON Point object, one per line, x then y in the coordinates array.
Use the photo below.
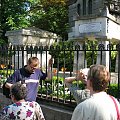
{"type": "Point", "coordinates": [113, 90]}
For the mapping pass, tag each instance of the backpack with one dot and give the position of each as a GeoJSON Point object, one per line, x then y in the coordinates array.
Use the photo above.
{"type": "Point", "coordinates": [6, 91]}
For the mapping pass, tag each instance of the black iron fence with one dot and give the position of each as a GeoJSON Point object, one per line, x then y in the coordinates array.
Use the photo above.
{"type": "Point", "coordinates": [54, 90]}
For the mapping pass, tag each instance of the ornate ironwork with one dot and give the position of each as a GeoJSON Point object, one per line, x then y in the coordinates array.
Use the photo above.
{"type": "Point", "coordinates": [70, 46]}
{"type": "Point", "coordinates": [27, 48]}
{"type": "Point", "coordinates": [77, 47]}
{"type": "Point", "coordinates": [40, 48]}
{"type": "Point", "coordinates": [92, 47]}
{"type": "Point", "coordinates": [109, 47]}
{"type": "Point", "coordinates": [85, 47]}
{"type": "Point", "coordinates": [36, 48]}
{"type": "Point", "coordinates": [52, 47]}
{"type": "Point", "coordinates": [64, 47]}
{"type": "Point", "coordinates": [46, 47]}
{"type": "Point", "coordinates": [14, 47]}
{"type": "Point", "coordinates": [118, 47]}
{"type": "Point", "coordinates": [57, 47]}
{"type": "Point", "coordinates": [31, 48]}
{"type": "Point", "coordinates": [18, 47]}
{"type": "Point", "coordinates": [101, 47]}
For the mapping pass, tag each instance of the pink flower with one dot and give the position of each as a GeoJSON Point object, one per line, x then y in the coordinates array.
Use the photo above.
{"type": "Point", "coordinates": [29, 113]}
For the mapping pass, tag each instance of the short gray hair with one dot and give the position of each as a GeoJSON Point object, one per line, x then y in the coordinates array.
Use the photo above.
{"type": "Point", "coordinates": [19, 91]}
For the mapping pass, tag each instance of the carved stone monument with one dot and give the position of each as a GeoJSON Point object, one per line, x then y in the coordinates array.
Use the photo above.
{"type": "Point", "coordinates": [30, 36]}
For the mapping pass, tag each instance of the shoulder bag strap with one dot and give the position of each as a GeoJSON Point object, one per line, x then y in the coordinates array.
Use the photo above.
{"type": "Point", "coordinates": [116, 106]}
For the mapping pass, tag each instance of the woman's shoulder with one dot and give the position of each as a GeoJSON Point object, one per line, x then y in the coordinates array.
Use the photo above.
{"type": "Point", "coordinates": [33, 103]}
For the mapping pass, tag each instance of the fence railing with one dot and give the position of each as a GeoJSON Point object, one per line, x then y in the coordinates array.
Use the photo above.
{"type": "Point", "coordinates": [14, 57]}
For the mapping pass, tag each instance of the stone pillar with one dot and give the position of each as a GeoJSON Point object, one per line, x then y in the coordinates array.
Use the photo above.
{"type": "Point", "coordinates": [79, 58]}
{"type": "Point", "coordinates": [116, 65]}
{"type": "Point", "coordinates": [117, 57]}
{"type": "Point", "coordinates": [103, 56]}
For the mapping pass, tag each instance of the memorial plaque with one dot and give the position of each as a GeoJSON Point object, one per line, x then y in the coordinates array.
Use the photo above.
{"type": "Point", "coordinates": [90, 27]}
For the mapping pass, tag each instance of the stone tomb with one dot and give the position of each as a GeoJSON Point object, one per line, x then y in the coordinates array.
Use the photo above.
{"type": "Point", "coordinates": [30, 36]}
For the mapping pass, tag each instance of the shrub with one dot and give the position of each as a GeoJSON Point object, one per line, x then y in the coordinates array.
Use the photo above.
{"type": "Point", "coordinates": [113, 90]}
{"type": "Point", "coordinates": [6, 72]}
{"type": "Point", "coordinates": [56, 88]}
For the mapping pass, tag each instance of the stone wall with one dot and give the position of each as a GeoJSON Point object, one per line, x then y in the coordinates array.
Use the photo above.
{"type": "Point", "coordinates": [100, 16]}
{"type": "Point", "coordinates": [97, 9]}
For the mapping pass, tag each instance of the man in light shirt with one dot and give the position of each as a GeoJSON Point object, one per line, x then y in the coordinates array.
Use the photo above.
{"type": "Point", "coordinates": [78, 94]}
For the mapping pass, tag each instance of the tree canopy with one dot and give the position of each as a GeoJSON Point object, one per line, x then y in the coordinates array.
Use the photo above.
{"type": "Point", "coordinates": [13, 15]}
{"type": "Point", "coordinates": [51, 15]}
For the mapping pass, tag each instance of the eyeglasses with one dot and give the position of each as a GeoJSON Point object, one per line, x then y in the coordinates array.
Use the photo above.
{"type": "Point", "coordinates": [33, 67]}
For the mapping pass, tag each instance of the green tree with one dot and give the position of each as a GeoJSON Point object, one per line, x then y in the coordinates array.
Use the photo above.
{"type": "Point", "coordinates": [51, 15]}
{"type": "Point", "coordinates": [13, 15]}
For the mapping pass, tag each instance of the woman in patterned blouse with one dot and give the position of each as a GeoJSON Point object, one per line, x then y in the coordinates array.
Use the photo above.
{"type": "Point", "coordinates": [21, 109]}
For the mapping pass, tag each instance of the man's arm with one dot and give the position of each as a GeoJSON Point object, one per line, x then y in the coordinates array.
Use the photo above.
{"type": "Point", "coordinates": [79, 76]}
{"type": "Point", "coordinates": [12, 79]}
{"type": "Point", "coordinates": [8, 85]}
{"type": "Point", "coordinates": [69, 80]}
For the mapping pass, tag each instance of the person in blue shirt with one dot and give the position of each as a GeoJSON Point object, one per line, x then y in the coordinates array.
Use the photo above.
{"type": "Point", "coordinates": [30, 75]}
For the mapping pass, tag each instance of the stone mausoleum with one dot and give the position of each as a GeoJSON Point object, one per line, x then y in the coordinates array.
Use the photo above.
{"type": "Point", "coordinates": [94, 20]}
{"type": "Point", "coordinates": [31, 36]}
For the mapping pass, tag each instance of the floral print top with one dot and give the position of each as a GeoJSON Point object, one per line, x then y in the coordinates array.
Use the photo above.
{"type": "Point", "coordinates": [23, 111]}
